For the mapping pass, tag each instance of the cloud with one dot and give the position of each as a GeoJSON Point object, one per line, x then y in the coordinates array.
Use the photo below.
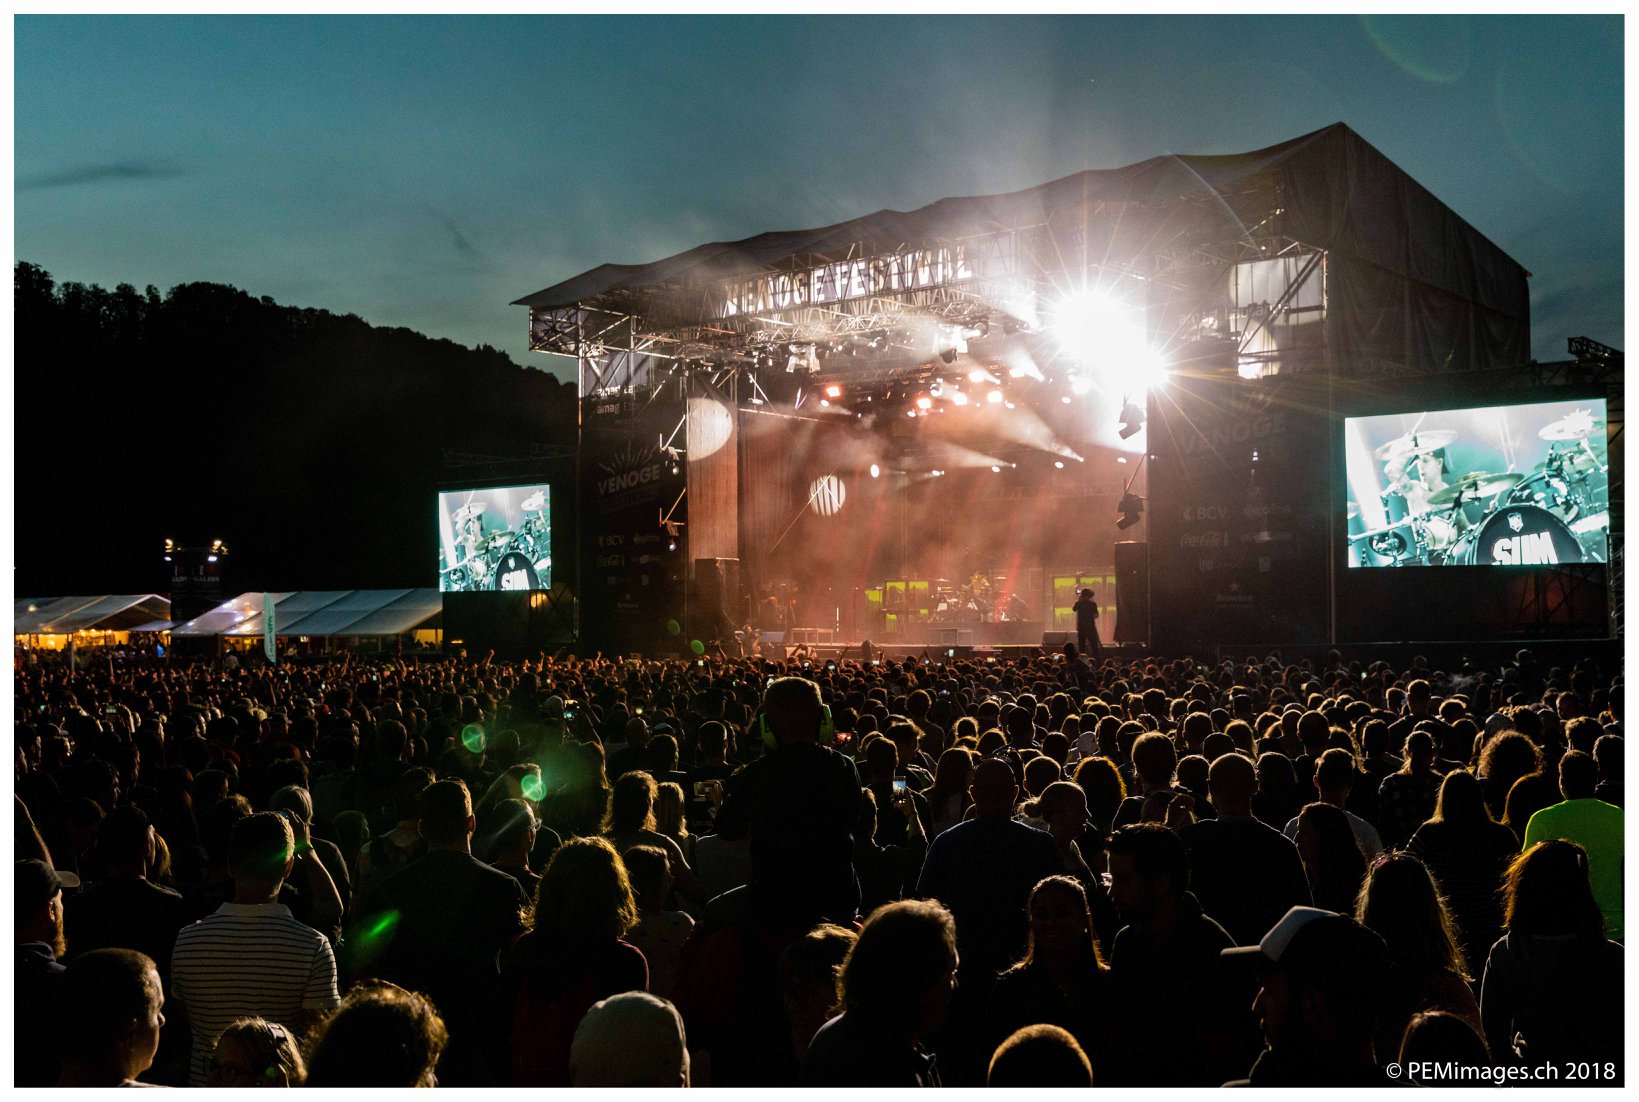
{"type": "Point", "coordinates": [462, 243]}
{"type": "Point", "coordinates": [108, 171]}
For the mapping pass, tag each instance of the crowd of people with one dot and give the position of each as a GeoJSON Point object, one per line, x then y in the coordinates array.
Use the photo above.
{"type": "Point", "coordinates": [1033, 871]}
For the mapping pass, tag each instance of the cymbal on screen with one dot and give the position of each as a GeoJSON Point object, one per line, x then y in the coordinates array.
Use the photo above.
{"type": "Point", "coordinates": [1415, 443]}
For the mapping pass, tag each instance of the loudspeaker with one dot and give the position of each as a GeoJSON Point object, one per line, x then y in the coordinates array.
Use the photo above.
{"type": "Point", "coordinates": [714, 608]}
{"type": "Point", "coordinates": [1132, 592]}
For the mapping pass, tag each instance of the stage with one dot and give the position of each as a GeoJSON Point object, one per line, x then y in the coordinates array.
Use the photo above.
{"type": "Point", "coordinates": [929, 429]}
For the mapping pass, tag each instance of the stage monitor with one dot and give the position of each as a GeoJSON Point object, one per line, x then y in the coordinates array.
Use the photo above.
{"type": "Point", "coordinates": [497, 539]}
{"type": "Point", "coordinates": [1516, 485]}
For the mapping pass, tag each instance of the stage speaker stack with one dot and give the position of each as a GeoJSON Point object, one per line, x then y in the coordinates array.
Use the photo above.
{"type": "Point", "coordinates": [1132, 592]}
{"type": "Point", "coordinates": [714, 609]}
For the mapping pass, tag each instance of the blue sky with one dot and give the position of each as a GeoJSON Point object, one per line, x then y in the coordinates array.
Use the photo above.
{"type": "Point", "coordinates": [424, 171]}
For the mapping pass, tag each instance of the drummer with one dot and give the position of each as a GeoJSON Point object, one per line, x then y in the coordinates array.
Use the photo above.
{"type": "Point", "coordinates": [1420, 479]}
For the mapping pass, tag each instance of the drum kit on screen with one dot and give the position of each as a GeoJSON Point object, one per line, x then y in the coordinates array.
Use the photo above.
{"type": "Point", "coordinates": [1557, 513]}
{"type": "Point", "coordinates": [500, 560]}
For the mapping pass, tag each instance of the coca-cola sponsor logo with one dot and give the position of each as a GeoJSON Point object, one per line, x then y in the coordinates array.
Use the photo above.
{"type": "Point", "coordinates": [1216, 538]}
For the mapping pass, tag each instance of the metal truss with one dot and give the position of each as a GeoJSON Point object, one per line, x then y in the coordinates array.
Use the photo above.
{"type": "Point", "coordinates": [1170, 252]}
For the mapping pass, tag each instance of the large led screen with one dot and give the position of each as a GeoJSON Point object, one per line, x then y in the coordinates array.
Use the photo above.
{"type": "Point", "coordinates": [1521, 485]}
{"type": "Point", "coordinates": [497, 539]}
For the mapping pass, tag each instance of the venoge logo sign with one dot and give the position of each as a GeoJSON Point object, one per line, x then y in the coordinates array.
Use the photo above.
{"type": "Point", "coordinates": [630, 476]}
{"type": "Point", "coordinates": [847, 279]}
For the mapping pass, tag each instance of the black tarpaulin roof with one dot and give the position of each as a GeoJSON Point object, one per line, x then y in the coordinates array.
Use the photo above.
{"type": "Point", "coordinates": [1336, 192]}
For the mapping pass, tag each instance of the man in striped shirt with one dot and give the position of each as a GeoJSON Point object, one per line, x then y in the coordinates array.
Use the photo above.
{"type": "Point", "coordinates": [252, 959]}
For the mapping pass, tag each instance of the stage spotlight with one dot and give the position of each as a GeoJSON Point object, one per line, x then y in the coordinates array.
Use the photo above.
{"type": "Point", "coordinates": [959, 398]}
{"type": "Point", "coordinates": [1059, 463]}
{"type": "Point", "coordinates": [994, 397]}
{"type": "Point", "coordinates": [1065, 399]}
{"type": "Point", "coordinates": [833, 391]}
{"type": "Point", "coordinates": [995, 469]}
{"type": "Point", "coordinates": [1009, 405]}
{"type": "Point", "coordinates": [948, 355]}
{"type": "Point", "coordinates": [1130, 510]}
{"type": "Point", "coordinates": [1132, 419]}
{"type": "Point", "coordinates": [876, 472]}
{"type": "Point", "coordinates": [924, 402]}
{"type": "Point", "coordinates": [980, 375]}
{"type": "Point", "coordinates": [1017, 372]}
{"type": "Point", "coordinates": [1080, 384]}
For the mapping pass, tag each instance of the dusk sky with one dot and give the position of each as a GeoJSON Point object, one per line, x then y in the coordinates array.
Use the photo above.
{"type": "Point", "coordinates": [425, 172]}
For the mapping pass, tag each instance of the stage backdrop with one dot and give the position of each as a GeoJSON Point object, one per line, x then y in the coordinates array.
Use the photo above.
{"type": "Point", "coordinates": [1237, 510]}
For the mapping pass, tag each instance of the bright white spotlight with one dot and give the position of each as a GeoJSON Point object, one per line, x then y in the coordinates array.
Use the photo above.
{"type": "Point", "coordinates": [827, 495]}
{"type": "Point", "coordinates": [876, 472]}
{"type": "Point", "coordinates": [1066, 399]}
{"type": "Point", "coordinates": [995, 470]}
{"type": "Point", "coordinates": [1108, 336]}
{"type": "Point", "coordinates": [1080, 384]}
{"type": "Point", "coordinates": [924, 402]}
{"type": "Point", "coordinates": [959, 398]}
{"type": "Point", "coordinates": [994, 397]}
{"type": "Point", "coordinates": [1059, 463]}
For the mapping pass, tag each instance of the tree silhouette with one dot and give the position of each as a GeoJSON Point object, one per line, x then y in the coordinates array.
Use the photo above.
{"type": "Point", "coordinates": [310, 441]}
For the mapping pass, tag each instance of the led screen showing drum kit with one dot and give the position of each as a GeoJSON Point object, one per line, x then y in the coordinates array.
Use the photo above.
{"type": "Point", "coordinates": [1521, 485]}
{"type": "Point", "coordinates": [498, 540]}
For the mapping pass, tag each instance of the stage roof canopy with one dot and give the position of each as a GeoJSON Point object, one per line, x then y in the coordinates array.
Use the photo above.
{"type": "Point", "coordinates": [1412, 288]}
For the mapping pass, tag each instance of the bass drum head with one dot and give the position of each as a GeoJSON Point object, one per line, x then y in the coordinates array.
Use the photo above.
{"type": "Point", "coordinates": [1518, 535]}
{"type": "Point", "coordinates": [515, 574]}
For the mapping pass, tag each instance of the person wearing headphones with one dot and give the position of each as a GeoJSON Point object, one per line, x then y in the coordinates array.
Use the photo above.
{"type": "Point", "coordinates": [802, 798]}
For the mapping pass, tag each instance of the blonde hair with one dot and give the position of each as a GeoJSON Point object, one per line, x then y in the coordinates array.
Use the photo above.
{"type": "Point", "coordinates": [584, 894]}
{"type": "Point", "coordinates": [670, 810]}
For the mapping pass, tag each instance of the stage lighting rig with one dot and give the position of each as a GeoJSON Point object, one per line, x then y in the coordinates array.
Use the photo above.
{"type": "Point", "coordinates": [1132, 418]}
{"type": "Point", "coordinates": [1130, 510]}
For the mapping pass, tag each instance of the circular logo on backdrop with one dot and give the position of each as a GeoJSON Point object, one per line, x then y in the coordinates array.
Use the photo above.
{"type": "Point", "coordinates": [515, 573]}
{"type": "Point", "coordinates": [827, 495]}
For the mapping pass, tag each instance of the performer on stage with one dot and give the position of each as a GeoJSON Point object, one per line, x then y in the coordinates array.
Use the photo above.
{"type": "Point", "coordinates": [1087, 624]}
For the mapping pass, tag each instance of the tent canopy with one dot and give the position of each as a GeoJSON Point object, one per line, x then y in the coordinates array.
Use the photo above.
{"type": "Point", "coordinates": [322, 613]}
{"type": "Point", "coordinates": [66, 615]}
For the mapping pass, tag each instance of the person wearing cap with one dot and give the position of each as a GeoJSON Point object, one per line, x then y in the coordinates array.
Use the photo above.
{"type": "Point", "coordinates": [630, 1040]}
{"type": "Point", "coordinates": [1323, 980]}
{"type": "Point", "coordinates": [39, 974]}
